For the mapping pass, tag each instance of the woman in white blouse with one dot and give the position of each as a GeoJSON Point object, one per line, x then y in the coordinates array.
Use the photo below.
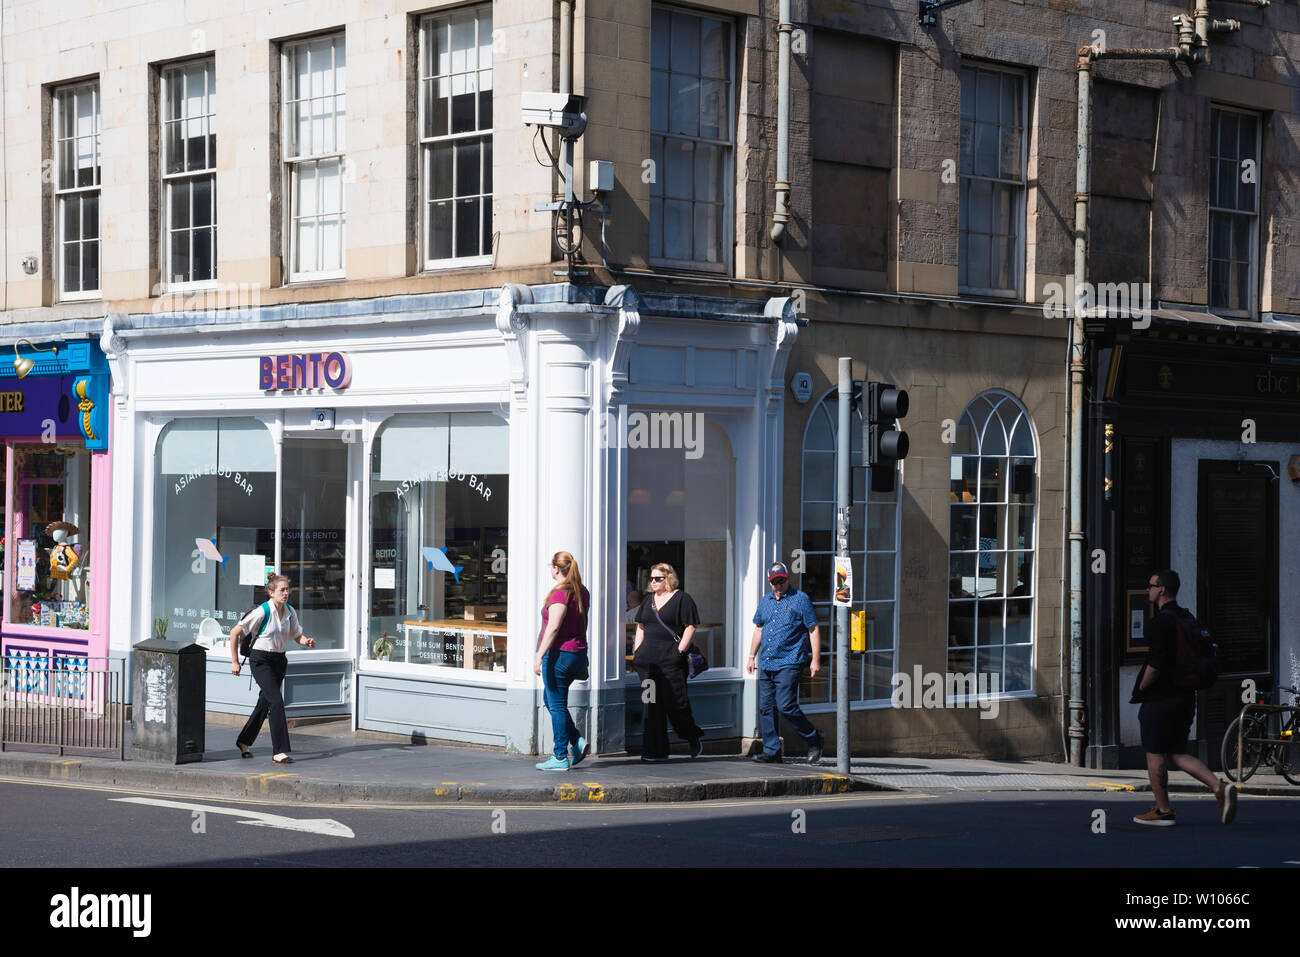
{"type": "Point", "coordinates": [269, 663]}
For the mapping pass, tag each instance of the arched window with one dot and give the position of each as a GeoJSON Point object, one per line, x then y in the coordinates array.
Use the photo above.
{"type": "Point", "coordinates": [873, 546]}
{"type": "Point", "coordinates": [991, 541]}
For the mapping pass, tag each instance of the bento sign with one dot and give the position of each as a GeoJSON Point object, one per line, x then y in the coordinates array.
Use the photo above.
{"type": "Point", "coordinates": [314, 370]}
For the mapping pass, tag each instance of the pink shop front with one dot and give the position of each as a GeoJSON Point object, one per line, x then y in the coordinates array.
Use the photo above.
{"type": "Point", "coordinates": [57, 486]}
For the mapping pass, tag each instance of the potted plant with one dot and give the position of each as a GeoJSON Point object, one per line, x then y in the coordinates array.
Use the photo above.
{"type": "Point", "coordinates": [383, 648]}
{"type": "Point", "coordinates": [160, 628]}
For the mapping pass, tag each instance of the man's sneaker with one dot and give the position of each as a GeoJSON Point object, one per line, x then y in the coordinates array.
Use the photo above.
{"type": "Point", "coordinates": [577, 751]}
{"type": "Point", "coordinates": [697, 747]}
{"type": "Point", "coordinates": [554, 764]}
{"type": "Point", "coordinates": [652, 760]}
{"type": "Point", "coordinates": [1227, 799]}
{"type": "Point", "coordinates": [1156, 818]}
{"type": "Point", "coordinates": [764, 758]}
{"type": "Point", "coordinates": [815, 750]}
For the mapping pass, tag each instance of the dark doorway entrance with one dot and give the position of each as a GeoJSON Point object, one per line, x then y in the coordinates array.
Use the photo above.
{"type": "Point", "coordinates": [1236, 587]}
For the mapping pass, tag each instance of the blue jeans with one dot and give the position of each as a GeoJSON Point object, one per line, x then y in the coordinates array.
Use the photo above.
{"type": "Point", "coordinates": [779, 691]}
{"type": "Point", "coordinates": [559, 670]}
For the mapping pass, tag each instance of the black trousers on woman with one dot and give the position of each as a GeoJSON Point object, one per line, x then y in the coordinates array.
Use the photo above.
{"type": "Point", "coordinates": [268, 669]}
{"type": "Point", "coordinates": [670, 703]}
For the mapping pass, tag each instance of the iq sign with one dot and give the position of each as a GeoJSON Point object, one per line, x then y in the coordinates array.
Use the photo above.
{"type": "Point", "coordinates": [315, 370]}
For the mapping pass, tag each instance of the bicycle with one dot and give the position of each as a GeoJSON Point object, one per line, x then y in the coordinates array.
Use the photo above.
{"type": "Point", "coordinates": [1249, 734]}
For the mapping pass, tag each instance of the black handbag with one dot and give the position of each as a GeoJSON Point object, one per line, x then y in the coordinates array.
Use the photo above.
{"type": "Point", "coordinates": [697, 663]}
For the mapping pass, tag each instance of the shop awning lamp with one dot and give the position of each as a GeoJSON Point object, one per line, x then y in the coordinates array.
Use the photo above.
{"type": "Point", "coordinates": [22, 364]}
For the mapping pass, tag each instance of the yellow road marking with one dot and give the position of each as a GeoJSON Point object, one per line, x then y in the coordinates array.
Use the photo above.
{"type": "Point", "coordinates": [595, 792]}
{"type": "Point", "coordinates": [567, 792]}
{"type": "Point", "coordinates": [1109, 785]}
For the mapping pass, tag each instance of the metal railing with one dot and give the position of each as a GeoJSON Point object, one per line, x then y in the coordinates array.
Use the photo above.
{"type": "Point", "coordinates": [62, 701]}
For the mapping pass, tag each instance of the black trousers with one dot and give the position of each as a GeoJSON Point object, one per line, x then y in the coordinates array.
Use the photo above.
{"type": "Point", "coordinates": [669, 702]}
{"type": "Point", "coordinates": [268, 669]}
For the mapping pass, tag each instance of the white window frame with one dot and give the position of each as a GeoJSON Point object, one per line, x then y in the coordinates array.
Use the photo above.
{"type": "Point", "coordinates": [826, 406]}
{"type": "Point", "coordinates": [1018, 216]}
{"type": "Point", "coordinates": [425, 64]}
{"type": "Point", "coordinates": [64, 194]}
{"type": "Point", "coordinates": [998, 398]}
{"type": "Point", "coordinates": [1233, 212]}
{"type": "Point", "coordinates": [728, 147]}
{"type": "Point", "coordinates": [294, 160]}
{"type": "Point", "coordinates": [186, 175]}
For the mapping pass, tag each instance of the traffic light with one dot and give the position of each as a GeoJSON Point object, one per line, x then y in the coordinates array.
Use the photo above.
{"type": "Point", "coordinates": [883, 443]}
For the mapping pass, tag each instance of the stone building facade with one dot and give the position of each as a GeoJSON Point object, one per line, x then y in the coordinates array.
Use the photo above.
{"type": "Point", "coordinates": [930, 237]}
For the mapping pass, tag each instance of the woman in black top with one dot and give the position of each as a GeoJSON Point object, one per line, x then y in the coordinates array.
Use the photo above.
{"type": "Point", "coordinates": [665, 627]}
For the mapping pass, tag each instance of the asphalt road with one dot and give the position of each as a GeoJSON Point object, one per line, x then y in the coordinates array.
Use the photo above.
{"type": "Point", "coordinates": [44, 825]}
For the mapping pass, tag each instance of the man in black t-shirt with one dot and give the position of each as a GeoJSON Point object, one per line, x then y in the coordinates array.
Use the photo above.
{"type": "Point", "coordinates": [1167, 710]}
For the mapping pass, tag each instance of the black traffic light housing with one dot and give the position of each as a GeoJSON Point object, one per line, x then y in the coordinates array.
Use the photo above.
{"type": "Point", "coordinates": [884, 445]}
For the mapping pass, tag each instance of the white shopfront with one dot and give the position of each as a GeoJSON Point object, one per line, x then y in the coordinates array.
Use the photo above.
{"type": "Point", "coordinates": [413, 463]}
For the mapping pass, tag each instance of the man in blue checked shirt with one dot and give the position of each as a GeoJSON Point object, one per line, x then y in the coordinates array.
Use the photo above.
{"type": "Point", "coordinates": [782, 621]}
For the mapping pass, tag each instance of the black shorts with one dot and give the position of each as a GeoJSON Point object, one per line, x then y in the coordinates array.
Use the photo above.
{"type": "Point", "coordinates": [1165, 724]}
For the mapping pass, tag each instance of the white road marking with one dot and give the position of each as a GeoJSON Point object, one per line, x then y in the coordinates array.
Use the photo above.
{"type": "Point", "coordinates": [322, 825]}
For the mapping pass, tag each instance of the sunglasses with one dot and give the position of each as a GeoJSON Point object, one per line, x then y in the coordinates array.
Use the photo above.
{"type": "Point", "coordinates": [1154, 585]}
{"type": "Point", "coordinates": [778, 581]}
{"type": "Point", "coordinates": [657, 578]}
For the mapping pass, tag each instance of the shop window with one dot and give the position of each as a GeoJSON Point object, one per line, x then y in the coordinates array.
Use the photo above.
{"type": "Point", "coordinates": [214, 526]}
{"type": "Point", "coordinates": [456, 137]}
{"type": "Point", "coordinates": [873, 547]}
{"type": "Point", "coordinates": [992, 207]}
{"type": "Point", "coordinates": [680, 510]}
{"type": "Point", "coordinates": [1234, 210]}
{"type": "Point", "coordinates": [76, 190]}
{"type": "Point", "coordinates": [49, 537]}
{"type": "Point", "coordinates": [439, 540]}
{"type": "Point", "coordinates": [991, 541]}
{"type": "Point", "coordinates": [691, 139]}
{"type": "Point", "coordinates": [314, 146]}
{"type": "Point", "coordinates": [313, 532]}
{"type": "Point", "coordinates": [189, 145]}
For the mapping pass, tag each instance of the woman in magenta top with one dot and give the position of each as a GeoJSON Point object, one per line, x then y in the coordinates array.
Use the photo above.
{"type": "Point", "coordinates": [562, 657]}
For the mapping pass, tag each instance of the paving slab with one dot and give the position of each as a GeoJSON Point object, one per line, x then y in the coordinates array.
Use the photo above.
{"type": "Point", "coordinates": [335, 765]}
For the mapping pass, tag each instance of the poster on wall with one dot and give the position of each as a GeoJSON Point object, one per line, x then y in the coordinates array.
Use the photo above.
{"type": "Point", "coordinates": [26, 564]}
{"type": "Point", "coordinates": [842, 573]}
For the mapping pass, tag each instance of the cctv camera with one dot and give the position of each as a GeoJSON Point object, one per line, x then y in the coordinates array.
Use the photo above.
{"type": "Point", "coordinates": [562, 112]}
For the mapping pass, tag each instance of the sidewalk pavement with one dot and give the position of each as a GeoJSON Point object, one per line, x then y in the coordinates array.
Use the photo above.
{"type": "Point", "coordinates": [335, 765]}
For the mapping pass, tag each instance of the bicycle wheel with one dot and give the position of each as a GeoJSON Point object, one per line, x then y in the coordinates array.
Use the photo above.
{"type": "Point", "coordinates": [1288, 755]}
{"type": "Point", "coordinates": [1251, 754]}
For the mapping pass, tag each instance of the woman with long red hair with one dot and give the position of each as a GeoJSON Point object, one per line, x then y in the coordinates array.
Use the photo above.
{"type": "Point", "coordinates": [562, 657]}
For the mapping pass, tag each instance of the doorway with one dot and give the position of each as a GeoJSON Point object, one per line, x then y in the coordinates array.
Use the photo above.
{"type": "Point", "coordinates": [1236, 584]}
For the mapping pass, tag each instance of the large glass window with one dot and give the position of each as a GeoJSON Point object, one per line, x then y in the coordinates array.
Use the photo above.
{"type": "Point", "coordinates": [189, 142]}
{"type": "Point", "coordinates": [313, 532]}
{"type": "Point", "coordinates": [991, 543]}
{"type": "Point", "coordinates": [456, 136]}
{"type": "Point", "coordinates": [681, 476]}
{"type": "Point", "coordinates": [76, 190]}
{"type": "Point", "coordinates": [439, 539]}
{"type": "Point", "coordinates": [214, 526]}
{"type": "Point", "coordinates": [993, 151]}
{"type": "Point", "coordinates": [314, 146]}
{"type": "Point", "coordinates": [690, 138]}
{"type": "Point", "coordinates": [49, 537]}
{"type": "Point", "coordinates": [873, 546]}
{"type": "Point", "coordinates": [1234, 209]}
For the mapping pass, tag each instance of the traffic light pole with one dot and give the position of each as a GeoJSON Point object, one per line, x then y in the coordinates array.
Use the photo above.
{"type": "Point", "coordinates": [842, 512]}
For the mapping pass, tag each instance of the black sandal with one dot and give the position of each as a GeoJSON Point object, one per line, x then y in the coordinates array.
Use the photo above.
{"type": "Point", "coordinates": [244, 750]}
